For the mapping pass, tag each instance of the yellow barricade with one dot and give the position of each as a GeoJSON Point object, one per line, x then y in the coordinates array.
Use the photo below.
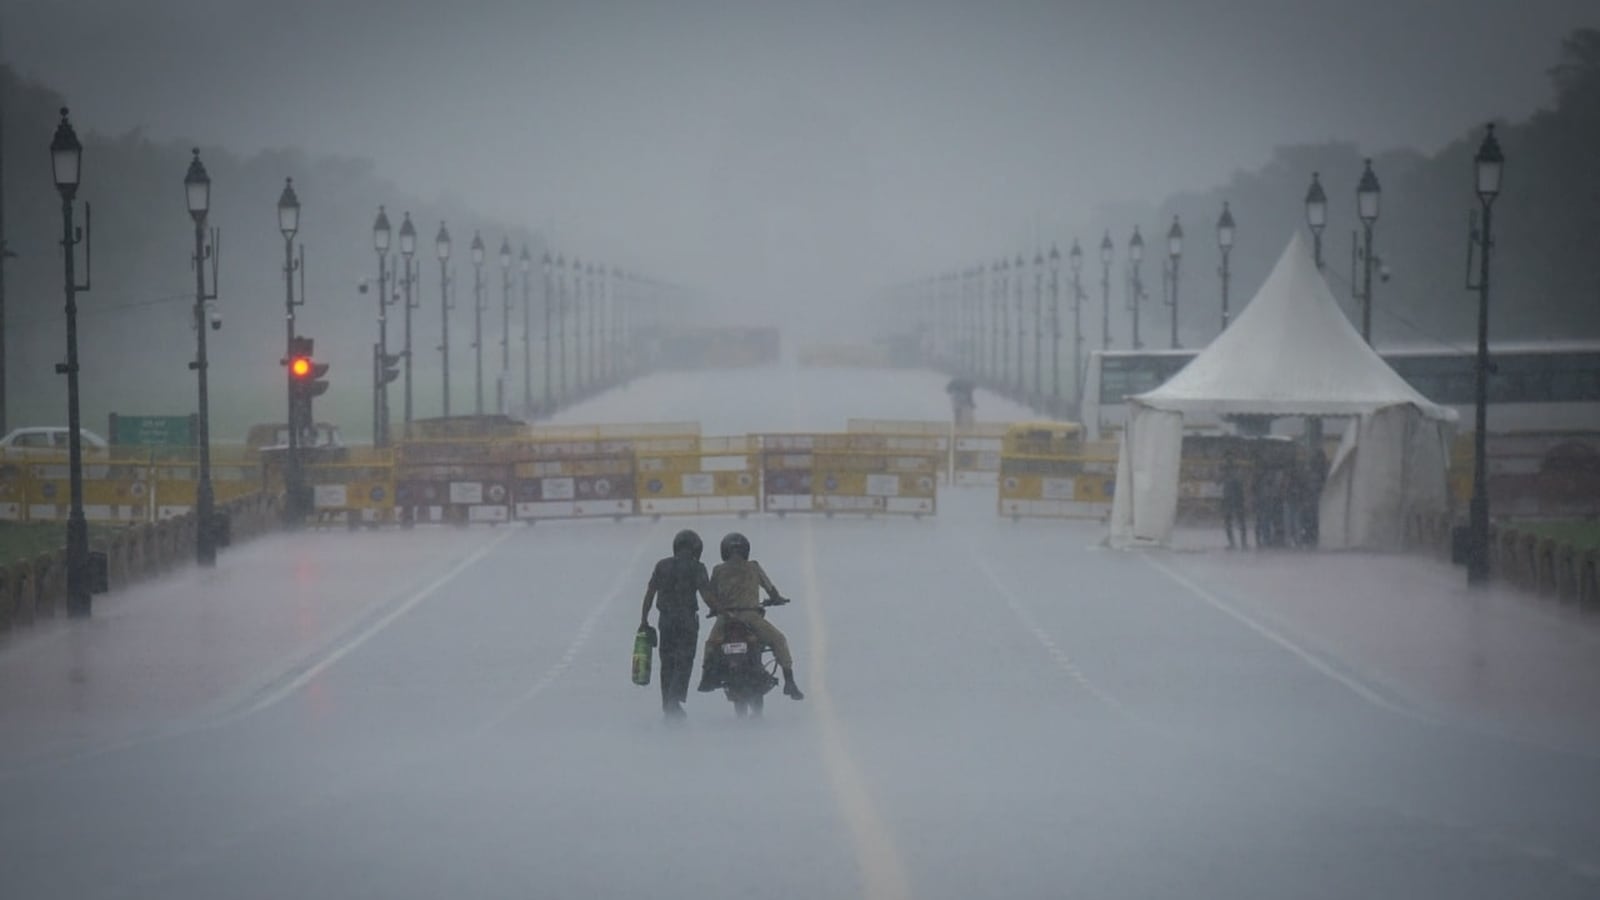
{"type": "Point", "coordinates": [120, 485]}
{"type": "Point", "coordinates": [573, 480]}
{"type": "Point", "coordinates": [862, 473]}
{"type": "Point", "coordinates": [360, 487]}
{"type": "Point", "coordinates": [972, 452]}
{"type": "Point", "coordinates": [458, 481]}
{"type": "Point", "coordinates": [1045, 472]}
{"type": "Point", "coordinates": [720, 477]}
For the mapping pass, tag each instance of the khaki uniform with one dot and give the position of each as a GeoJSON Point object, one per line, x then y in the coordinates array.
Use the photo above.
{"type": "Point", "coordinates": [736, 586]}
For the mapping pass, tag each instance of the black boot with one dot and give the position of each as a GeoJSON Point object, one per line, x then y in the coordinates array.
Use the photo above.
{"type": "Point", "coordinates": [790, 689]}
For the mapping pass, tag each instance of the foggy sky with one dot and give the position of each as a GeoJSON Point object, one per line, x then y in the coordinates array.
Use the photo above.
{"type": "Point", "coordinates": [791, 148]}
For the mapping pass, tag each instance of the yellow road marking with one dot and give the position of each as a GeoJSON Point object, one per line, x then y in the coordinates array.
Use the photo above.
{"type": "Point", "coordinates": [883, 873]}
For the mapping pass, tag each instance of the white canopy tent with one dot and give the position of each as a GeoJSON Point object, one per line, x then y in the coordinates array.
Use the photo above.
{"type": "Point", "coordinates": [1292, 352]}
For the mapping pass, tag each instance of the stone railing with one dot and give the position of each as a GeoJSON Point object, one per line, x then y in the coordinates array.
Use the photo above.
{"type": "Point", "coordinates": [1533, 562]}
{"type": "Point", "coordinates": [37, 588]}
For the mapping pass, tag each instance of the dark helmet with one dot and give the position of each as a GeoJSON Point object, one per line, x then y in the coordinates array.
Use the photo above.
{"type": "Point", "coordinates": [735, 544]}
{"type": "Point", "coordinates": [687, 543]}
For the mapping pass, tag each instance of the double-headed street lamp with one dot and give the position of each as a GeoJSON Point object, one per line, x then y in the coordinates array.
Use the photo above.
{"type": "Point", "coordinates": [549, 385]}
{"type": "Point", "coordinates": [1017, 284]}
{"type": "Point", "coordinates": [525, 264]}
{"type": "Point", "coordinates": [381, 235]}
{"type": "Point", "coordinates": [1135, 283]}
{"type": "Point", "coordinates": [1038, 328]}
{"type": "Point", "coordinates": [289, 226]}
{"type": "Point", "coordinates": [66, 157]}
{"type": "Point", "coordinates": [477, 321]}
{"type": "Point", "coordinates": [441, 246]}
{"type": "Point", "coordinates": [1106, 251]}
{"type": "Point", "coordinates": [1225, 244]}
{"type": "Point", "coordinates": [1488, 163]}
{"type": "Point", "coordinates": [1174, 255]}
{"type": "Point", "coordinates": [197, 187]}
{"type": "Point", "coordinates": [561, 326]}
{"type": "Point", "coordinates": [1367, 195]}
{"type": "Point", "coordinates": [408, 249]}
{"type": "Point", "coordinates": [502, 402]}
{"type": "Point", "coordinates": [1316, 215]}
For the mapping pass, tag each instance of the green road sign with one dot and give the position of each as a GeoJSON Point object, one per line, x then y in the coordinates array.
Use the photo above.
{"type": "Point", "coordinates": [152, 431]}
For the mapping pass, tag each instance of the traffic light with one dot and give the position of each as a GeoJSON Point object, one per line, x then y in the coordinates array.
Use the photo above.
{"type": "Point", "coordinates": [306, 380]}
{"type": "Point", "coordinates": [389, 367]}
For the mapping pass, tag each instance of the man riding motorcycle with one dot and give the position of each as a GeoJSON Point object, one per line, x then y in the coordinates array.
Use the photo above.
{"type": "Point", "coordinates": [736, 585]}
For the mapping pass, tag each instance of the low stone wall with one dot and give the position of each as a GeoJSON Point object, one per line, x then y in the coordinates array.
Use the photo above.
{"type": "Point", "coordinates": [1541, 565]}
{"type": "Point", "coordinates": [37, 588]}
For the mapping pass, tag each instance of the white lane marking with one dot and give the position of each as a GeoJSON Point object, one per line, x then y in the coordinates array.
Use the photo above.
{"type": "Point", "coordinates": [1304, 655]}
{"type": "Point", "coordinates": [883, 871]}
{"type": "Point", "coordinates": [372, 630]}
{"type": "Point", "coordinates": [1062, 660]}
{"type": "Point", "coordinates": [580, 640]}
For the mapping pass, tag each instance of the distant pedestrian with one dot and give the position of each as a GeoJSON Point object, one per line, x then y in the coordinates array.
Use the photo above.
{"type": "Point", "coordinates": [1232, 482]}
{"type": "Point", "coordinates": [1261, 497]}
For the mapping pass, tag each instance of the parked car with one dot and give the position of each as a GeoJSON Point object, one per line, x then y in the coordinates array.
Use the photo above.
{"type": "Point", "coordinates": [50, 442]}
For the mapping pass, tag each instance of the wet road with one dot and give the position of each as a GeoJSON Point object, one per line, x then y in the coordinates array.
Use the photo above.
{"type": "Point", "coordinates": [994, 709]}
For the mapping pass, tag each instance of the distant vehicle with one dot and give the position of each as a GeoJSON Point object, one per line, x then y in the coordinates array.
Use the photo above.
{"type": "Point", "coordinates": [1534, 386]}
{"type": "Point", "coordinates": [49, 440]}
{"type": "Point", "coordinates": [275, 437]}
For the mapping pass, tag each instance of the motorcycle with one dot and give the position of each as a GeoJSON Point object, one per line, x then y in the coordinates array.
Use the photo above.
{"type": "Point", "coordinates": [748, 668]}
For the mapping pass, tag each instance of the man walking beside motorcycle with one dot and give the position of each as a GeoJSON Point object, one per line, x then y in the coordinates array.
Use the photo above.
{"type": "Point", "coordinates": [673, 586]}
{"type": "Point", "coordinates": [736, 585]}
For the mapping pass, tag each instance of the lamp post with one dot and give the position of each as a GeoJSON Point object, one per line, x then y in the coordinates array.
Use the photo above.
{"type": "Point", "coordinates": [1038, 328]}
{"type": "Point", "coordinates": [408, 249]}
{"type": "Point", "coordinates": [289, 226]}
{"type": "Point", "coordinates": [1174, 255]}
{"type": "Point", "coordinates": [615, 306]}
{"type": "Point", "coordinates": [502, 402]}
{"type": "Point", "coordinates": [1017, 293]}
{"type": "Point", "coordinates": [578, 286]}
{"type": "Point", "coordinates": [1488, 164]}
{"type": "Point", "coordinates": [561, 324]}
{"type": "Point", "coordinates": [1106, 250]}
{"type": "Point", "coordinates": [1135, 283]}
{"type": "Point", "coordinates": [441, 246]}
{"type": "Point", "coordinates": [1367, 195]}
{"type": "Point", "coordinates": [66, 156]}
{"type": "Point", "coordinates": [381, 235]}
{"type": "Point", "coordinates": [1075, 263]}
{"type": "Point", "coordinates": [1316, 215]}
{"type": "Point", "coordinates": [1225, 244]}
{"type": "Point", "coordinates": [525, 263]}
{"type": "Point", "coordinates": [1003, 324]}
{"type": "Point", "coordinates": [477, 322]}
{"type": "Point", "coordinates": [197, 187]}
{"type": "Point", "coordinates": [596, 276]}
{"type": "Point", "coordinates": [1055, 330]}
{"type": "Point", "coordinates": [549, 397]}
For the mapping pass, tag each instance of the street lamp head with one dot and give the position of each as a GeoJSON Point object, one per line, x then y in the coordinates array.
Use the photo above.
{"type": "Point", "coordinates": [1367, 194]}
{"type": "Point", "coordinates": [66, 157]}
{"type": "Point", "coordinates": [1490, 162]}
{"type": "Point", "coordinates": [1175, 239]}
{"type": "Point", "coordinates": [1075, 257]}
{"type": "Point", "coordinates": [380, 232]}
{"type": "Point", "coordinates": [477, 248]}
{"type": "Point", "coordinates": [1225, 228]}
{"type": "Point", "coordinates": [441, 244]}
{"type": "Point", "coordinates": [1106, 249]}
{"type": "Point", "coordinates": [408, 236]}
{"type": "Point", "coordinates": [1055, 258]}
{"type": "Point", "coordinates": [1136, 246]}
{"type": "Point", "coordinates": [288, 210]}
{"type": "Point", "coordinates": [505, 254]}
{"type": "Point", "coordinates": [525, 260]}
{"type": "Point", "coordinates": [197, 185]}
{"type": "Point", "coordinates": [1316, 204]}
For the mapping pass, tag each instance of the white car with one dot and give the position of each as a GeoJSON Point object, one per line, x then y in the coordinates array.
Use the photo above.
{"type": "Point", "coordinates": [49, 439]}
{"type": "Point", "coordinates": [50, 442]}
